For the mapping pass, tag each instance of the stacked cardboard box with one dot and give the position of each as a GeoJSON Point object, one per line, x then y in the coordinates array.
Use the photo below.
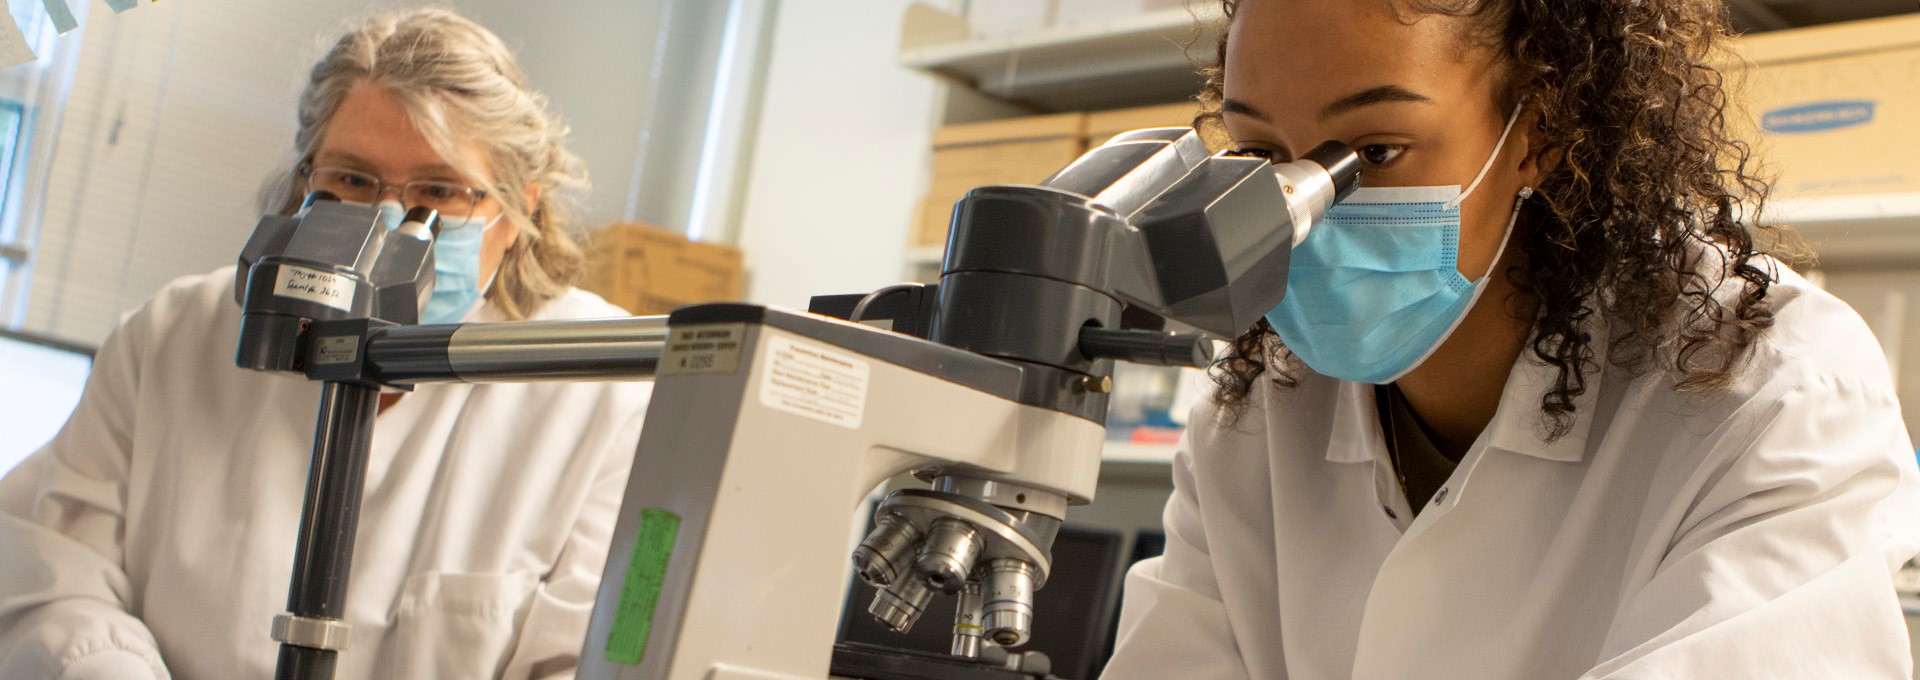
{"type": "Point", "coordinates": [1836, 109]}
{"type": "Point", "coordinates": [1021, 151]}
{"type": "Point", "coordinates": [648, 270]}
{"type": "Point", "coordinates": [1103, 125]}
{"type": "Point", "coordinates": [1011, 151]}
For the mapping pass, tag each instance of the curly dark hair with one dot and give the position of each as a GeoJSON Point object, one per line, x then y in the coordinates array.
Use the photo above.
{"type": "Point", "coordinates": [1650, 179]}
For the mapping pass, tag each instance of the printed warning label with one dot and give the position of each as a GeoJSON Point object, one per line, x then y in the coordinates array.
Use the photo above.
{"type": "Point", "coordinates": [815, 381]}
{"type": "Point", "coordinates": [313, 285]}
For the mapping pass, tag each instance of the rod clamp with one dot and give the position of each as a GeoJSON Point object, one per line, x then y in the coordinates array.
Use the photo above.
{"type": "Point", "coordinates": [329, 634]}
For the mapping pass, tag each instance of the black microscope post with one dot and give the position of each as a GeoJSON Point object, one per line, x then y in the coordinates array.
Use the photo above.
{"type": "Point", "coordinates": [323, 555]}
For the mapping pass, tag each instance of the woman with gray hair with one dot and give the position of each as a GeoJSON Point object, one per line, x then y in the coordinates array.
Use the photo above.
{"type": "Point", "coordinates": [153, 537]}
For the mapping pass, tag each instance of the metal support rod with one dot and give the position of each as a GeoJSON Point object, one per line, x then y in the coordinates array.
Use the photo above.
{"type": "Point", "coordinates": [323, 555]}
{"type": "Point", "coordinates": [573, 350]}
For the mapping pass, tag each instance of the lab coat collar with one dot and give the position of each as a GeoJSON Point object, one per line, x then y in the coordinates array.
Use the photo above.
{"type": "Point", "coordinates": [1518, 425]}
{"type": "Point", "coordinates": [1356, 425]}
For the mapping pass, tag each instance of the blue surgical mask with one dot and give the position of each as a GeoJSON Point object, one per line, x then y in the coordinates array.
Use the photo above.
{"type": "Point", "coordinates": [456, 265]}
{"type": "Point", "coordinates": [1375, 288]}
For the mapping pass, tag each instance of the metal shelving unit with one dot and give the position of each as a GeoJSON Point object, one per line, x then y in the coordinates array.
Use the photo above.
{"type": "Point", "coordinates": [1129, 452]}
{"type": "Point", "coordinates": [1870, 230]}
{"type": "Point", "coordinates": [1141, 59]}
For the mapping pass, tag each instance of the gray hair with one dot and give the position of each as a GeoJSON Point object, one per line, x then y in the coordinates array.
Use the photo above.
{"type": "Point", "coordinates": [460, 83]}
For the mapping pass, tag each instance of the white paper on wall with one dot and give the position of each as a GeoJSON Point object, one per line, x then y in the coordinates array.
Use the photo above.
{"type": "Point", "coordinates": [13, 44]}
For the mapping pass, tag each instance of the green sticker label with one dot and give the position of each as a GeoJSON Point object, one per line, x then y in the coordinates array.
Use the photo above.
{"type": "Point", "coordinates": [632, 622]}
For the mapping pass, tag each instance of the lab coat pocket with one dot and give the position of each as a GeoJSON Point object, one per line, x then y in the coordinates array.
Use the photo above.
{"type": "Point", "coordinates": [458, 625]}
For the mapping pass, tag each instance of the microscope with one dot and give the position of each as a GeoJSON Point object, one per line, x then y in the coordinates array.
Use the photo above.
{"type": "Point", "coordinates": [769, 428]}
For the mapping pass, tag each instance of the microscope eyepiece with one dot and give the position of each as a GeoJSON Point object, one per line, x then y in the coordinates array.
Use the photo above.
{"type": "Point", "coordinates": [316, 196]}
{"type": "Point", "coordinates": [1315, 182]}
{"type": "Point", "coordinates": [423, 215]}
{"type": "Point", "coordinates": [1341, 163]}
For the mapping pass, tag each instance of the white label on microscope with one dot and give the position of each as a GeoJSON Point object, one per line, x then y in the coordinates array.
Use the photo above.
{"type": "Point", "coordinates": [313, 285]}
{"type": "Point", "coordinates": [712, 348]}
{"type": "Point", "coordinates": [815, 381]}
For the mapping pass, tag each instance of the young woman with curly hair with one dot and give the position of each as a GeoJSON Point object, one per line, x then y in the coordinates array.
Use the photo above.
{"type": "Point", "coordinates": [1534, 406]}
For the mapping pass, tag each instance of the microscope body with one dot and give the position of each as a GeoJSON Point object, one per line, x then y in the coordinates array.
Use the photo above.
{"type": "Point", "coordinates": [730, 556]}
{"type": "Point", "coordinates": [329, 260]}
{"type": "Point", "coordinates": [768, 429]}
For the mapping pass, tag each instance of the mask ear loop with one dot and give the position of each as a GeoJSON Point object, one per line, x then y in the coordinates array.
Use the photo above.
{"type": "Point", "coordinates": [1521, 200]}
{"type": "Point", "coordinates": [1518, 202]}
{"type": "Point", "coordinates": [1497, 147]}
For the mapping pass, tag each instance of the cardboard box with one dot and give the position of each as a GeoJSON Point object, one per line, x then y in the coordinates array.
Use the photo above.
{"type": "Point", "coordinates": [1835, 109]}
{"type": "Point", "coordinates": [1103, 125]}
{"type": "Point", "coordinates": [1012, 151]}
{"type": "Point", "coordinates": [648, 270]}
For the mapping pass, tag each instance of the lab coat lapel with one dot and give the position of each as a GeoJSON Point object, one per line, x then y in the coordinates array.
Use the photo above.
{"type": "Point", "coordinates": [1357, 437]}
{"type": "Point", "coordinates": [1417, 565]}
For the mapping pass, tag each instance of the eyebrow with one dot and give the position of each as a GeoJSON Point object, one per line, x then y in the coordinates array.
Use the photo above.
{"type": "Point", "coordinates": [1380, 95]}
{"type": "Point", "coordinates": [1242, 108]}
{"type": "Point", "coordinates": [436, 169]}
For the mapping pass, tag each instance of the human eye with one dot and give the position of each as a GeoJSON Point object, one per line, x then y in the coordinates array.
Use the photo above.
{"type": "Point", "coordinates": [346, 185]}
{"type": "Point", "coordinates": [437, 191]}
{"type": "Point", "coordinates": [1269, 155]}
{"type": "Point", "coordinates": [354, 180]}
{"type": "Point", "coordinates": [1380, 155]}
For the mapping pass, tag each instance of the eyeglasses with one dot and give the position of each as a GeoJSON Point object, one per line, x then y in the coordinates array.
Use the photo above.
{"type": "Point", "coordinates": [451, 199]}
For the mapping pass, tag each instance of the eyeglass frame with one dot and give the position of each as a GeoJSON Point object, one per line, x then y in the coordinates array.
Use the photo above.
{"type": "Point", "coordinates": [306, 169]}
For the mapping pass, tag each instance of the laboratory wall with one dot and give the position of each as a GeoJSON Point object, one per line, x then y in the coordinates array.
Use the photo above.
{"type": "Point", "coordinates": [840, 155]}
{"type": "Point", "coordinates": [179, 110]}
{"type": "Point", "coordinates": [1888, 299]}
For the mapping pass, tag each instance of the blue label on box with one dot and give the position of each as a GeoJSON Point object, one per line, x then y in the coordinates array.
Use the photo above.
{"type": "Point", "coordinates": [1818, 117]}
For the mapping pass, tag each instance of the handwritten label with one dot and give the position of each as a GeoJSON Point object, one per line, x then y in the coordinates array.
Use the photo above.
{"type": "Point", "coordinates": [815, 381]}
{"type": "Point", "coordinates": [313, 285]}
{"type": "Point", "coordinates": [640, 596]}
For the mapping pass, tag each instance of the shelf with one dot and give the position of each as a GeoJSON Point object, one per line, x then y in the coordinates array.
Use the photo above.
{"type": "Point", "coordinates": [1129, 452]}
{"type": "Point", "coordinates": [1146, 58]}
{"type": "Point", "coordinates": [1868, 229]}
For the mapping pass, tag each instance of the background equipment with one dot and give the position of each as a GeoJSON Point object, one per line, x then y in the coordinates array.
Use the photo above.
{"type": "Point", "coordinates": [769, 427]}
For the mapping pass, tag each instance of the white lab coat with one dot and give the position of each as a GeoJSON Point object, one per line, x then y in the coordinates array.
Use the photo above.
{"type": "Point", "coordinates": [1749, 535]}
{"type": "Point", "coordinates": [155, 533]}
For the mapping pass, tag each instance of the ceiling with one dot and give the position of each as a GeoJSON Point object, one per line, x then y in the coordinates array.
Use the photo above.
{"type": "Point", "coordinates": [1767, 15]}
